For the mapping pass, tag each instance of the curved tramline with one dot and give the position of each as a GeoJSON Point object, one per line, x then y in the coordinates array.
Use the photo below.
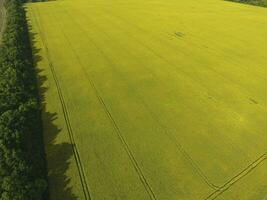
{"type": "Point", "coordinates": [237, 178]}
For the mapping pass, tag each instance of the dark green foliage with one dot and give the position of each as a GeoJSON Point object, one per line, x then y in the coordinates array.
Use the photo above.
{"type": "Point", "coordinates": [22, 166]}
{"type": "Point", "coordinates": [253, 2]}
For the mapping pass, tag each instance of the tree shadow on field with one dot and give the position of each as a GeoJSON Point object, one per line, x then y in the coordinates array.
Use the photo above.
{"type": "Point", "coordinates": [58, 155]}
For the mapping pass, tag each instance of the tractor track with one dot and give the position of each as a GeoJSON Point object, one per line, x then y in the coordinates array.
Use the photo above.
{"type": "Point", "coordinates": [66, 115]}
{"type": "Point", "coordinates": [178, 145]}
{"type": "Point", "coordinates": [237, 177]}
{"type": "Point", "coordinates": [112, 120]}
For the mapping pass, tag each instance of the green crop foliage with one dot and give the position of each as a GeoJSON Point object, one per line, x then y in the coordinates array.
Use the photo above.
{"type": "Point", "coordinates": [162, 99]}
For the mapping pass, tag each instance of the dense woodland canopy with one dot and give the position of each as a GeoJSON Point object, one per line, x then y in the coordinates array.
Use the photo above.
{"type": "Point", "coordinates": [22, 166]}
{"type": "Point", "coordinates": [253, 2]}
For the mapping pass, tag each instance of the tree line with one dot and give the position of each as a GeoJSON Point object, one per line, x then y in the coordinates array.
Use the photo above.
{"type": "Point", "coordinates": [253, 2]}
{"type": "Point", "coordinates": [22, 160]}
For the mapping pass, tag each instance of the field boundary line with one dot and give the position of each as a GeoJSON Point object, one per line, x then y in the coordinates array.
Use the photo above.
{"type": "Point", "coordinates": [65, 113]}
{"type": "Point", "coordinates": [237, 177]}
{"type": "Point", "coordinates": [178, 145]}
{"type": "Point", "coordinates": [112, 120]}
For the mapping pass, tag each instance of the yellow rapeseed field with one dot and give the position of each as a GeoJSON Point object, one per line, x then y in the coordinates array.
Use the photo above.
{"type": "Point", "coordinates": [153, 99]}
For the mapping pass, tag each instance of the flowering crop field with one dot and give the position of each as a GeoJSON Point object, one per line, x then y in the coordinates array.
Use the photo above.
{"type": "Point", "coordinates": [152, 99]}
